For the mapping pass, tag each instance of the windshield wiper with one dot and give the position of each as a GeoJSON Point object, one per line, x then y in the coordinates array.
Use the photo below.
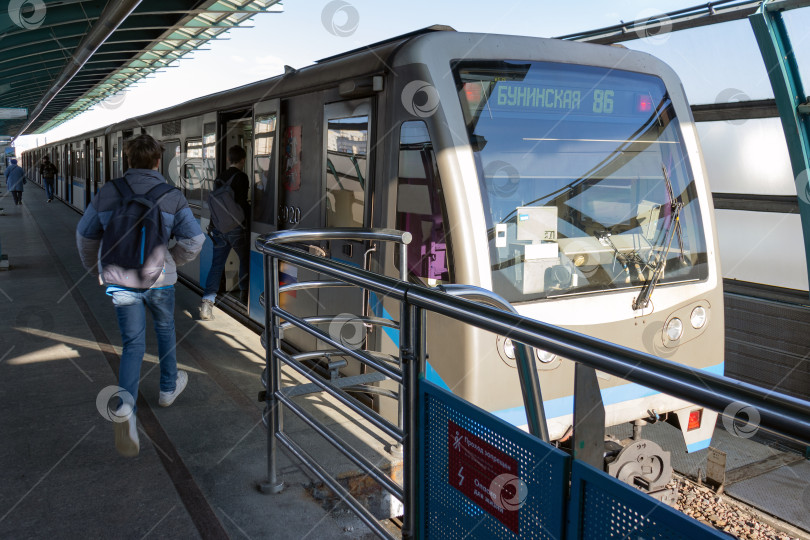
{"type": "Point", "coordinates": [673, 226]}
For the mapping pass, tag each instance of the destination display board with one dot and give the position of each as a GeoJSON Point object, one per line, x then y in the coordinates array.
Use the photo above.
{"type": "Point", "coordinates": [541, 88]}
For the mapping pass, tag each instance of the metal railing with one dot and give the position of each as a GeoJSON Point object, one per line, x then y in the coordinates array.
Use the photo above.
{"type": "Point", "coordinates": [781, 413]}
{"type": "Point", "coordinates": [384, 366]}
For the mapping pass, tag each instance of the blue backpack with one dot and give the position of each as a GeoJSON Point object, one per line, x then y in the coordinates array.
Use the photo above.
{"type": "Point", "coordinates": [135, 237]}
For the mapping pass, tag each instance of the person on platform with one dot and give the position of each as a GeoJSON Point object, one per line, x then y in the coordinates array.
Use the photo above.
{"type": "Point", "coordinates": [48, 171]}
{"type": "Point", "coordinates": [131, 292]}
{"type": "Point", "coordinates": [15, 178]}
{"type": "Point", "coordinates": [236, 239]}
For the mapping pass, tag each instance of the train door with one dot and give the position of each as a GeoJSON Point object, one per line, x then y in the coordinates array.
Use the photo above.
{"type": "Point", "coordinates": [264, 201]}
{"type": "Point", "coordinates": [117, 151]}
{"type": "Point", "coordinates": [346, 188]}
{"type": "Point", "coordinates": [98, 164]}
{"type": "Point", "coordinates": [89, 162]}
{"type": "Point", "coordinates": [78, 180]}
{"type": "Point", "coordinates": [235, 129]}
{"type": "Point", "coordinates": [300, 192]}
{"type": "Point", "coordinates": [200, 172]}
{"type": "Point", "coordinates": [70, 172]}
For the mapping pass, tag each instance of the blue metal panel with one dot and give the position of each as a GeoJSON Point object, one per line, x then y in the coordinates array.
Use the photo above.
{"type": "Point", "coordinates": [791, 101]}
{"type": "Point", "coordinates": [255, 310]}
{"type": "Point", "coordinates": [537, 493]}
{"type": "Point", "coordinates": [603, 507]}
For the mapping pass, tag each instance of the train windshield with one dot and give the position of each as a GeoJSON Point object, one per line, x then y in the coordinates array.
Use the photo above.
{"type": "Point", "coordinates": [585, 179]}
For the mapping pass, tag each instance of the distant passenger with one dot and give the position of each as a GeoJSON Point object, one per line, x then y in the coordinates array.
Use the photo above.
{"type": "Point", "coordinates": [236, 237]}
{"type": "Point", "coordinates": [15, 178]}
{"type": "Point", "coordinates": [48, 171]}
{"type": "Point", "coordinates": [130, 289]}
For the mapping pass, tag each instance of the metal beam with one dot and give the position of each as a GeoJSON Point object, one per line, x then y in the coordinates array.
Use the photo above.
{"type": "Point", "coordinates": [742, 110]}
{"type": "Point", "coordinates": [111, 18]}
{"type": "Point", "coordinates": [780, 62]}
{"type": "Point", "coordinates": [780, 204]}
{"type": "Point", "coordinates": [682, 19]}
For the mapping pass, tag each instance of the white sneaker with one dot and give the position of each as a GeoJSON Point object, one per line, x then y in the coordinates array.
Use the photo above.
{"type": "Point", "coordinates": [126, 432]}
{"type": "Point", "coordinates": [167, 398]}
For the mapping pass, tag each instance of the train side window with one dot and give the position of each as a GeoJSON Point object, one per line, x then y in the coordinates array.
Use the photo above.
{"type": "Point", "coordinates": [420, 205]}
{"type": "Point", "coordinates": [264, 169]}
{"type": "Point", "coordinates": [193, 172]}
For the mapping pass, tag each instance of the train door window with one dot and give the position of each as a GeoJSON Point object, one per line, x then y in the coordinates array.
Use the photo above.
{"type": "Point", "coordinates": [264, 169]}
{"type": "Point", "coordinates": [420, 205]}
{"type": "Point", "coordinates": [171, 163]}
{"type": "Point", "coordinates": [193, 172]}
{"type": "Point", "coordinates": [346, 170]}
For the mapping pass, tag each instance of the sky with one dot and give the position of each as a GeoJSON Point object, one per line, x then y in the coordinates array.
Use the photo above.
{"type": "Point", "coordinates": [308, 30]}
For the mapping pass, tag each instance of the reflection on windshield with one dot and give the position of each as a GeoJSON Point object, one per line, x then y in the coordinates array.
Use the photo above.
{"type": "Point", "coordinates": [583, 176]}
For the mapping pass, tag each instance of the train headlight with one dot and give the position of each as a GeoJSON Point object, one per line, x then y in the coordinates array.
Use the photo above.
{"type": "Point", "coordinates": [698, 317]}
{"type": "Point", "coordinates": [674, 329]}
{"type": "Point", "coordinates": [544, 356]}
{"type": "Point", "coordinates": [509, 349]}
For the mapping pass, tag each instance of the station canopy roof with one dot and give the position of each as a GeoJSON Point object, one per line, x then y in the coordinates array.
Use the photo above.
{"type": "Point", "coordinates": [58, 58]}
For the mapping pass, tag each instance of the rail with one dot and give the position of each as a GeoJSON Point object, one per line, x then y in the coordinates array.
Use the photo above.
{"type": "Point", "coordinates": [384, 366]}
{"type": "Point", "coordinates": [778, 412]}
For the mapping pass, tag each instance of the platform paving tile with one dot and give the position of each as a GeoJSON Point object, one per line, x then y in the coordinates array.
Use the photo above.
{"type": "Point", "coordinates": [61, 475]}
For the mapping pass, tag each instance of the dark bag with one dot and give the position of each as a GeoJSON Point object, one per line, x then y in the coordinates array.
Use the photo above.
{"type": "Point", "coordinates": [226, 213]}
{"type": "Point", "coordinates": [49, 171]}
{"type": "Point", "coordinates": [135, 237]}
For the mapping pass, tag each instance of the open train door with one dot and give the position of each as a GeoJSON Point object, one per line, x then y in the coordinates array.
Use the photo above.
{"type": "Point", "coordinates": [264, 193]}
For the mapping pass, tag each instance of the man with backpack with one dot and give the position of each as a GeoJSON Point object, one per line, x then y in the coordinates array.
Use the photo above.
{"type": "Point", "coordinates": [230, 213]}
{"type": "Point", "coordinates": [123, 238]}
{"type": "Point", "coordinates": [48, 172]}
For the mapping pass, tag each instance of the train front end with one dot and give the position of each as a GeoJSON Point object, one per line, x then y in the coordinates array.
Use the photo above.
{"type": "Point", "coordinates": [572, 185]}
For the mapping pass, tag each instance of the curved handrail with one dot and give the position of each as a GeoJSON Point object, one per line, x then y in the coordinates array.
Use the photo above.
{"type": "Point", "coordinates": [336, 233]}
{"type": "Point", "coordinates": [403, 238]}
{"type": "Point", "coordinates": [529, 381]}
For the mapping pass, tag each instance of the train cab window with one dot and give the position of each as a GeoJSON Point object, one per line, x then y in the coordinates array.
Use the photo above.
{"type": "Point", "coordinates": [585, 178]}
{"type": "Point", "coordinates": [193, 171]}
{"type": "Point", "coordinates": [346, 171]}
{"type": "Point", "coordinates": [420, 205]}
{"type": "Point", "coordinates": [264, 169]}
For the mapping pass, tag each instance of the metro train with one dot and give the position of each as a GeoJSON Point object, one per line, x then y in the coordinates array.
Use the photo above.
{"type": "Point", "coordinates": [565, 177]}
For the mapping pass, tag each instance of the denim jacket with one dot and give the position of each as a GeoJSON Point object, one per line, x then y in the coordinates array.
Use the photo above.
{"type": "Point", "coordinates": [177, 217]}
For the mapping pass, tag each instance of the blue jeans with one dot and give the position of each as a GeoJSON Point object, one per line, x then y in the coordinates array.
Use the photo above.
{"type": "Point", "coordinates": [48, 187]}
{"type": "Point", "coordinates": [223, 242]}
{"type": "Point", "coordinates": [130, 306]}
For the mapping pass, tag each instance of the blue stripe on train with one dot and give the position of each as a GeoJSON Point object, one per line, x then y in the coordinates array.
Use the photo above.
{"type": "Point", "coordinates": [256, 311]}
{"type": "Point", "coordinates": [610, 396]}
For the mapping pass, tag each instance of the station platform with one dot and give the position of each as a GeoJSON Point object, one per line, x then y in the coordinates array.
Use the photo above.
{"type": "Point", "coordinates": [200, 459]}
